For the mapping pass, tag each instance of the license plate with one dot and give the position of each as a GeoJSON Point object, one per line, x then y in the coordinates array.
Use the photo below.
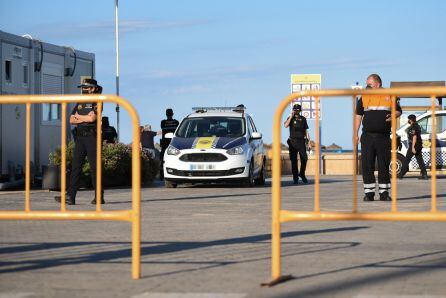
{"type": "Point", "coordinates": [201, 167]}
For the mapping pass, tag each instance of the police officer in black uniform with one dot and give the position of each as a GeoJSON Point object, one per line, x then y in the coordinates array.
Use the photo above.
{"type": "Point", "coordinates": [374, 111]}
{"type": "Point", "coordinates": [84, 116]}
{"type": "Point", "coordinates": [298, 142]}
{"type": "Point", "coordinates": [167, 125]}
{"type": "Point", "coordinates": [414, 148]}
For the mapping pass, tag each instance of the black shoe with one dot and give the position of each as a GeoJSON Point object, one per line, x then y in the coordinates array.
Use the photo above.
{"type": "Point", "coordinates": [423, 177]}
{"type": "Point", "coordinates": [94, 201]}
{"type": "Point", "coordinates": [304, 179]}
{"type": "Point", "coordinates": [68, 200]}
{"type": "Point", "coordinates": [400, 176]}
{"type": "Point", "coordinates": [369, 198]}
{"type": "Point", "coordinates": [384, 196]}
{"type": "Point", "coordinates": [295, 181]}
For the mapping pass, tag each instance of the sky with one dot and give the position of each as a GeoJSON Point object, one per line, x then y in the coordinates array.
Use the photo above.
{"type": "Point", "coordinates": [181, 54]}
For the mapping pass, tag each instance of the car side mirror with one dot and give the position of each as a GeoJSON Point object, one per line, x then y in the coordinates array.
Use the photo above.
{"type": "Point", "coordinates": [169, 135]}
{"type": "Point", "coordinates": [256, 136]}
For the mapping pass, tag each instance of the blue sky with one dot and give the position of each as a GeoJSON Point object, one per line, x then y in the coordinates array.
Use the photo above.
{"type": "Point", "coordinates": [181, 54]}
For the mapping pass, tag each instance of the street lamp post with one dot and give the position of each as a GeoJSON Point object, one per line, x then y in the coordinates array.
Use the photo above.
{"type": "Point", "coordinates": [117, 62]}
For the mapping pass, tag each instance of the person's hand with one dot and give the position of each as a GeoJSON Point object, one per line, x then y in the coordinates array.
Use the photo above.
{"type": "Point", "coordinates": [413, 150]}
{"type": "Point", "coordinates": [355, 140]}
{"type": "Point", "coordinates": [389, 118]}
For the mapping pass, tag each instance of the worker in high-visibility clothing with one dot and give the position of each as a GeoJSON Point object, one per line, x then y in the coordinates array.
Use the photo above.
{"type": "Point", "coordinates": [374, 112]}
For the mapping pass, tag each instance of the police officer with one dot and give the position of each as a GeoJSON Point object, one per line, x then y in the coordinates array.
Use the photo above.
{"type": "Point", "coordinates": [167, 125]}
{"type": "Point", "coordinates": [298, 142]}
{"type": "Point", "coordinates": [414, 148]}
{"type": "Point", "coordinates": [374, 111]}
{"type": "Point", "coordinates": [84, 116]}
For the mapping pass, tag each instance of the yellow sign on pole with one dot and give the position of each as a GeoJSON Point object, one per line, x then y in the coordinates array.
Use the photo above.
{"type": "Point", "coordinates": [302, 82]}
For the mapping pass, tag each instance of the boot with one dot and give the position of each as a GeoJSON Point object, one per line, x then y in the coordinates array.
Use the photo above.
{"type": "Point", "coordinates": [370, 196]}
{"type": "Point", "coordinates": [423, 176]}
{"type": "Point", "coordinates": [68, 200]}
{"type": "Point", "coordinates": [384, 196]}
{"type": "Point", "coordinates": [304, 179]}
{"type": "Point", "coordinates": [102, 199]}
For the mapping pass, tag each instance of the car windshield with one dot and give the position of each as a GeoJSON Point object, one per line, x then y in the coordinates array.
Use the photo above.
{"type": "Point", "coordinates": [231, 127]}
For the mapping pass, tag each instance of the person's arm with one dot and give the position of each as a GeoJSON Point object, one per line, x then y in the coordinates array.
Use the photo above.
{"type": "Point", "coordinates": [414, 141]}
{"type": "Point", "coordinates": [358, 120]}
{"type": "Point", "coordinates": [91, 117]}
{"type": "Point", "coordinates": [307, 133]}
{"type": "Point", "coordinates": [288, 120]}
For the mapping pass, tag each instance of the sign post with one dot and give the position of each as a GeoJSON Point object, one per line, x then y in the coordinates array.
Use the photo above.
{"type": "Point", "coordinates": [302, 82]}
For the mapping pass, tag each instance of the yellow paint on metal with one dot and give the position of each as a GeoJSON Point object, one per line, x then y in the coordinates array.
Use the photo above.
{"type": "Point", "coordinates": [133, 216]}
{"type": "Point", "coordinates": [280, 216]}
{"type": "Point", "coordinates": [205, 142]}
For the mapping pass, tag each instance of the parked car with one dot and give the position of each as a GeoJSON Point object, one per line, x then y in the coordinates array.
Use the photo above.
{"type": "Point", "coordinates": [215, 145]}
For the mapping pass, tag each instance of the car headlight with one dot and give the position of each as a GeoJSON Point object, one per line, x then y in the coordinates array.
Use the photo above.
{"type": "Point", "coordinates": [236, 150]}
{"type": "Point", "coordinates": [171, 150]}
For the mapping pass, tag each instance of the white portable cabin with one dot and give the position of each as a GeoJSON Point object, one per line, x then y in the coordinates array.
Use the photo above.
{"type": "Point", "coordinates": [30, 66]}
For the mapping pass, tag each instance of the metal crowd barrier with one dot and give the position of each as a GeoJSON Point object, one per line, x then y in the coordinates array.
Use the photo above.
{"type": "Point", "coordinates": [133, 216]}
{"type": "Point", "coordinates": [280, 216]}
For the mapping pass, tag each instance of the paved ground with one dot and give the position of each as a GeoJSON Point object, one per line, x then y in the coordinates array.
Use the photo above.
{"type": "Point", "coordinates": [215, 242]}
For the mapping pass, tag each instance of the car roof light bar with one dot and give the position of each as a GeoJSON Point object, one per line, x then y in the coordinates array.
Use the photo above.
{"type": "Point", "coordinates": [240, 109]}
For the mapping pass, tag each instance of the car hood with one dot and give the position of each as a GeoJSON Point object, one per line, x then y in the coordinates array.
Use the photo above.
{"type": "Point", "coordinates": [207, 143]}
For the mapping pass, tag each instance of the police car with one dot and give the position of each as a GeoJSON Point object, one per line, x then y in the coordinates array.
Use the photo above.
{"type": "Point", "coordinates": [425, 123]}
{"type": "Point", "coordinates": [215, 145]}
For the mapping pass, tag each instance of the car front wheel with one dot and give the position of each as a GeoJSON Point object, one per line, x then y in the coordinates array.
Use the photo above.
{"type": "Point", "coordinates": [170, 184]}
{"type": "Point", "coordinates": [262, 176]}
{"type": "Point", "coordinates": [249, 182]}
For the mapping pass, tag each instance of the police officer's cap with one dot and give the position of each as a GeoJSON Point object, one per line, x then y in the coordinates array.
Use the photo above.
{"type": "Point", "coordinates": [297, 107]}
{"type": "Point", "coordinates": [89, 83]}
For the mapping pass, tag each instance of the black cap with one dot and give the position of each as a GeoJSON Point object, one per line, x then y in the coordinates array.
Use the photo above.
{"type": "Point", "coordinates": [297, 106]}
{"type": "Point", "coordinates": [89, 83]}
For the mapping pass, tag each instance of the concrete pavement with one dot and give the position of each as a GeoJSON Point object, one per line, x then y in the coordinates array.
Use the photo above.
{"type": "Point", "coordinates": [214, 241]}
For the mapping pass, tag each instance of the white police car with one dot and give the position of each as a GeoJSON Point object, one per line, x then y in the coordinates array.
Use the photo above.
{"type": "Point", "coordinates": [215, 145]}
{"type": "Point", "coordinates": [425, 122]}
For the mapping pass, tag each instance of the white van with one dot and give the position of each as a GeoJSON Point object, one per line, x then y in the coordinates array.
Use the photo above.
{"type": "Point", "coordinates": [425, 122]}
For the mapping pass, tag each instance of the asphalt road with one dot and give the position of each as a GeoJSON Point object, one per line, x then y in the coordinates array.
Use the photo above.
{"type": "Point", "coordinates": [214, 241]}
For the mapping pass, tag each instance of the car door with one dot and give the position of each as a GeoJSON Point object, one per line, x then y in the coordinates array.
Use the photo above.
{"type": "Point", "coordinates": [426, 136]}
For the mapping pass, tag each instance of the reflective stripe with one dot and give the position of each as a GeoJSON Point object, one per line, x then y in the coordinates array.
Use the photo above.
{"type": "Point", "coordinates": [385, 185]}
{"type": "Point", "coordinates": [369, 185]}
{"type": "Point", "coordinates": [378, 108]}
{"type": "Point", "coordinates": [366, 190]}
{"type": "Point", "coordinates": [383, 190]}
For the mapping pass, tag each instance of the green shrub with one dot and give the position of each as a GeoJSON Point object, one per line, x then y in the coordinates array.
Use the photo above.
{"type": "Point", "coordinates": [116, 164]}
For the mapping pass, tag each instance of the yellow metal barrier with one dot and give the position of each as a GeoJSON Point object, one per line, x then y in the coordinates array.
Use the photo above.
{"type": "Point", "coordinates": [133, 216]}
{"type": "Point", "coordinates": [280, 216]}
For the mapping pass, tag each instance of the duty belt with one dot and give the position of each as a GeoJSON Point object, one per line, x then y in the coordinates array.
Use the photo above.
{"type": "Point", "coordinates": [86, 132]}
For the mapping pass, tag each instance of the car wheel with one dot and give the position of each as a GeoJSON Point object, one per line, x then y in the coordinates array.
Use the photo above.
{"type": "Point", "coordinates": [262, 176]}
{"type": "Point", "coordinates": [399, 164]}
{"type": "Point", "coordinates": [249, 182]}
{"type": "Point", "coordinates": [170, 184]}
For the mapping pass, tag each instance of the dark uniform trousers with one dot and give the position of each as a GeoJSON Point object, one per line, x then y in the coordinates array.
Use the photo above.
{"type": "Point", "coordinates": [375, 146]}
{"type": "Point", "coordinates": [84, 146]}
{"type": "Point", "coordinates": [408, 158]}
{"type": "Point", "coordinates": [297, 147]}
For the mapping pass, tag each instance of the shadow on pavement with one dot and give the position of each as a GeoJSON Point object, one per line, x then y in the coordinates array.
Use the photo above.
{"type": "Point", "coordinates": [192, 198]}
{"type": "Point", "coordinates": [81, 252]}
{"type": "Point", "coordinates": [417, 267]}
